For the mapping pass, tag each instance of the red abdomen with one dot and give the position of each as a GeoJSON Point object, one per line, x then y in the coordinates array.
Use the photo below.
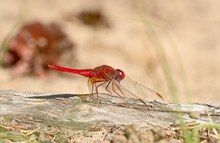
{"type": "Point", "coordinates": [85, 72]}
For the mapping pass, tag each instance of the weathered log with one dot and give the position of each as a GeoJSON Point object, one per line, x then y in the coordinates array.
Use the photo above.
{"type": "Point", "coordinates": [79, 112]}
{"type": "Point", "coordinates": [68, 107]}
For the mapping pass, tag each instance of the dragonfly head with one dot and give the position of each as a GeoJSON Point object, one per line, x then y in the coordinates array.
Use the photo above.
{"type": "Point", "coordinates": [119, 75]}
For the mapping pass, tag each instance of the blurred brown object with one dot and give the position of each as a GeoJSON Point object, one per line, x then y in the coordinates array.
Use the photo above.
{"type": "Point", "coordinates": [92, 18]}
{"type": "Point", "coordinates": [34, 47]}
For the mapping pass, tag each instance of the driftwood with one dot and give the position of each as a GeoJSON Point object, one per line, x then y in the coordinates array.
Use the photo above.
{"type": "Point", "coordinates": [79, 112]}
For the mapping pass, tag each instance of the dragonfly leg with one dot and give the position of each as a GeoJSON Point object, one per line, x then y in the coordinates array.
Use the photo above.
{"type": "Point", "coordinates": [96, 88]}
{"type": "Point", "coordinates": [91, 88]}
{"type": "Point", "coordinates": [91, 82]}
{"type": "Point", "coordinates": [107, 86]}
{"type": "Point", "coordinates": [94, 83]}
{"type": "Point", "coordinates": [113, 88]}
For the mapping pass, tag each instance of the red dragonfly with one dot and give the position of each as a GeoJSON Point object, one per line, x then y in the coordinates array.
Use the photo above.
{"type": "Point", "coordinates": [115, 82]}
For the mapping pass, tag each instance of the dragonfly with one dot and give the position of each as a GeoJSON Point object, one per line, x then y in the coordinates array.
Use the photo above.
{"type": "Point", "coordinates": [114, 81]}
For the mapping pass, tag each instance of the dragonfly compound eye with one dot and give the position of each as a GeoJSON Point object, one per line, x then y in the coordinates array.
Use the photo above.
{"type": "Point", "coordinates": [119, 75]}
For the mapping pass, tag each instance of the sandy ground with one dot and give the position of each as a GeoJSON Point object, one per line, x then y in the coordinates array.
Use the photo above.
{"type": "Point", "coordinates": [190, 27]}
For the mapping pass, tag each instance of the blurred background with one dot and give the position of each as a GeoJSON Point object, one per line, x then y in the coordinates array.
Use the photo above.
{"type": "Point", "coordinates": [173, 48]}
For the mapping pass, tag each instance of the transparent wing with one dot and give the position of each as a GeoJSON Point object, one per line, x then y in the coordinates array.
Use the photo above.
{"type": "Point", "coordinates": [136, 90]}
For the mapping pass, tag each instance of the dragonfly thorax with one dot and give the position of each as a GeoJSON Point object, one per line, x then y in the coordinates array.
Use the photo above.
{"type": "Point", "coordinates": [108, 73]}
